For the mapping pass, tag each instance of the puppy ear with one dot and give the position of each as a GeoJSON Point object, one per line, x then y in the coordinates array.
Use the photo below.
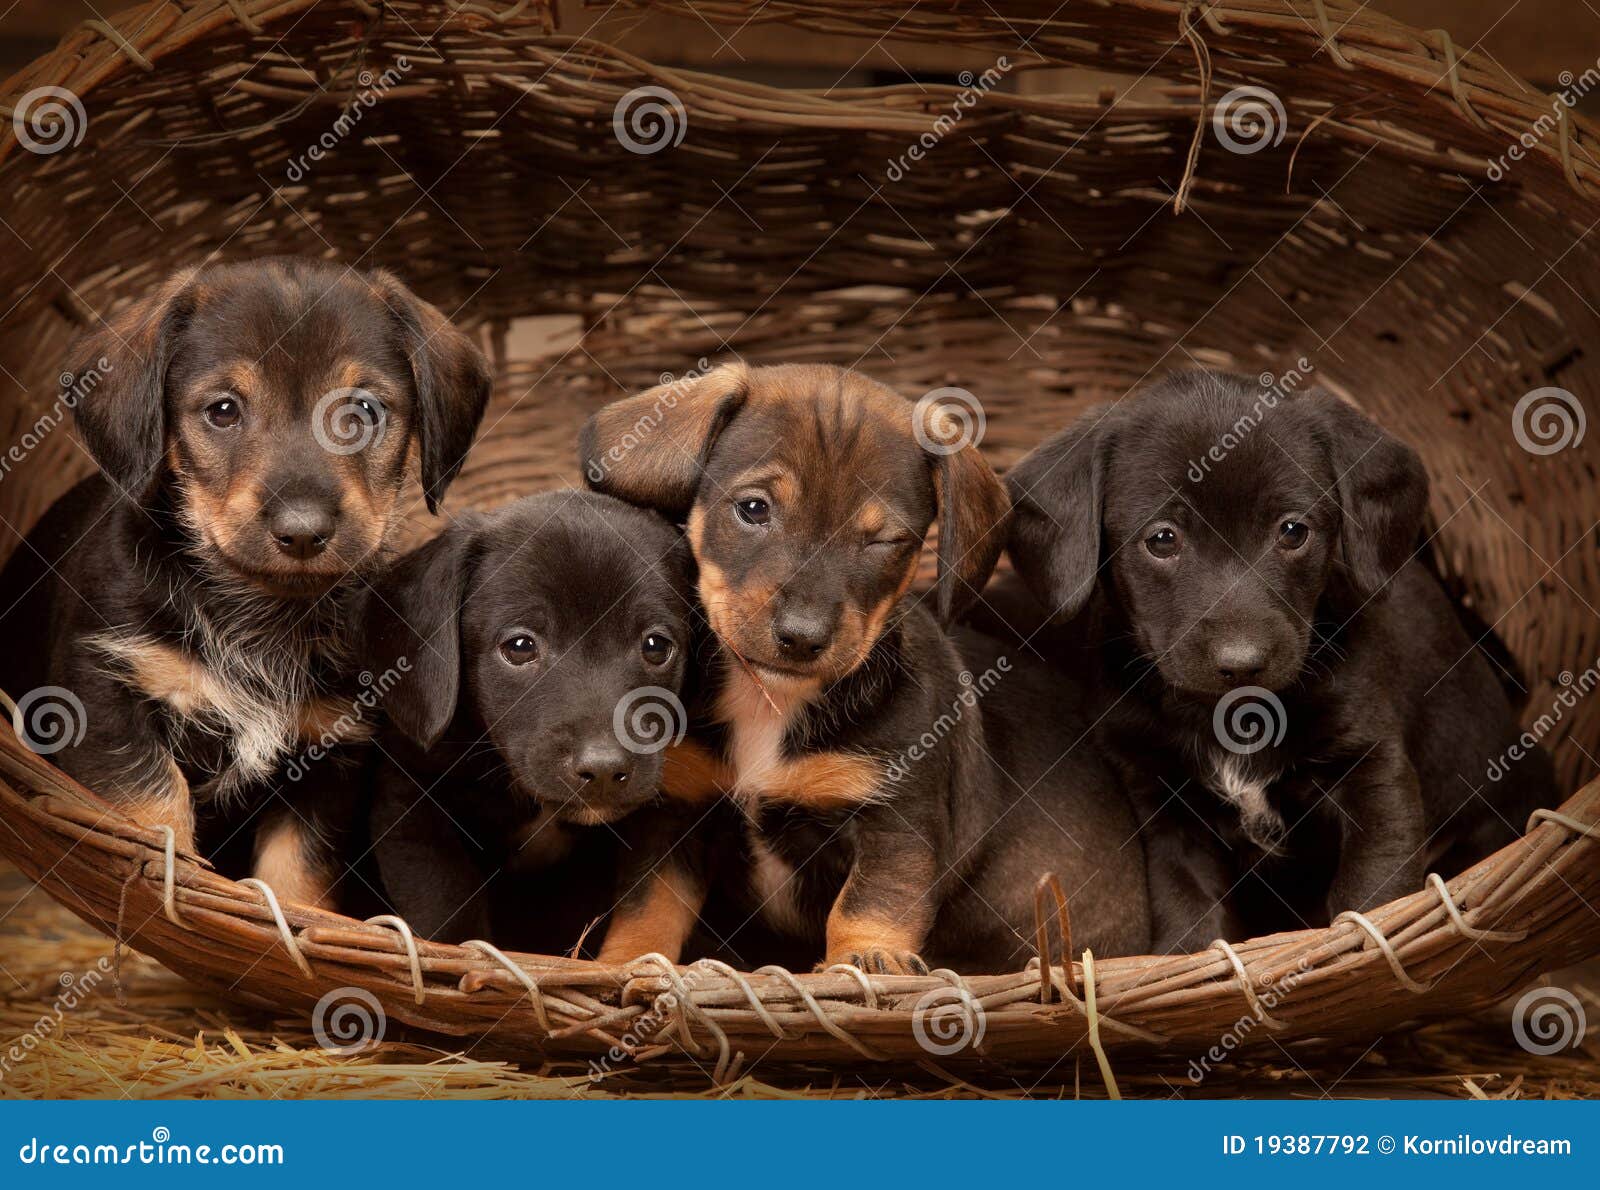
{"type": "Point", "coordinates": [451, 377]}
{"type": "Point", "coordinates": [414, 628]}
{"type": "Point", "coordinates": [651, 449]}
{"type": "Point", "coordinates": [1057, 494]}
{"type": "Point", "coordinates": [121, 371]}
{"type": "Point", "coordinates": [974, 511]}
{"type": "Point", "coordinates": [1383, 494]}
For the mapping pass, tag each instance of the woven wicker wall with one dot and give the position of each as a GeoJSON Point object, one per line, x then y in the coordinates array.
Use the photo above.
{"type": "Point", "coordinates": [1033, 257]}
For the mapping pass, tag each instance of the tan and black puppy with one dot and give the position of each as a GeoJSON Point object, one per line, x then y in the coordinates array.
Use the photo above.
{"type": "Point", "coordinates": [253, 425]}
{"type": "Point", "coordinates": [843, 719]}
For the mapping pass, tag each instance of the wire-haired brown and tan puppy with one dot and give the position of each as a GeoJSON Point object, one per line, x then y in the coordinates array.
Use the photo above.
{"type": "Point", "coordinates": [253, 424]}
{"type": "Point", "coordinates": [895, 815]}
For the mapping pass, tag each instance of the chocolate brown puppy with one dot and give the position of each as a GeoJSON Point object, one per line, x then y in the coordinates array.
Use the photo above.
{"type": "Point", "coordinates": [1288, 694]}
{"type": "Point", "coordinates": [253, 425]}
{"type": "Point", "coordinates": [882, 823]}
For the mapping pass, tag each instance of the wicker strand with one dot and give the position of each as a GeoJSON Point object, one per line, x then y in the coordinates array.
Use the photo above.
{"type": "Point", "coordinates": [687, 1008]}
{"type": "Point", "coordinates": [111, 34]}
{"type": "Point", "coordinates": [1093, 1013]}
{"type": "Point", "coordinates": [399, 926]}
{"type": "Point", "coordinates": [816, 1010]}
{"type": "Point", "coordinates": [1395, 965]}
{"type": "Point", "coordinates": [1588, 830]}
{"type": "Point", "coordinates": [1458, 91]}
{"type": "Point", "coordinates": [169, 879]}
{"type": "Point", "coordinates": [1471, 933]}
{"type": "Point", "coordinates": [290, 942]}
{"type": "Point", "coordinates": [1330, 36]}
{"type": "Point", "coordinates": [1208, 12]}
{"type": "Point", "coordinates": [242, 15]}
{"type": "Point", "coordinates": [535, 993]}
{"type": "Point", "coordinates": [868, 992]}
{"type": "Point", "coordinates": [1246, 986]}
{"type": "Point", "coordinates": [756, 1005]}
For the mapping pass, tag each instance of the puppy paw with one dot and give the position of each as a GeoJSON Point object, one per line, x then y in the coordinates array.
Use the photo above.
{"type": "Point", "coordinates": [878, 961]}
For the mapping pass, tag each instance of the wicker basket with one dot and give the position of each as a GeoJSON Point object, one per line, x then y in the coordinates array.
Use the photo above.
{"type": "Point", "coordinates": [1045, 253]}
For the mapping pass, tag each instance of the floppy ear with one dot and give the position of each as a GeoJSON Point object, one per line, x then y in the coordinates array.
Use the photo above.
{"type": "Point", "coordinates": [974, 512]}
{"type": "Point", "coordinates": [413, 627]}
{"type": "Point", "coordinates": [1057, 496]}
{"type": "Point", "coordinates": [1383, 494]}
{"type": "Point", "coordinates": [451, 377]}
{"type": "Point", "coordinates": [121, 373]}
{"type": "Point", "coordinates": [651, 449]}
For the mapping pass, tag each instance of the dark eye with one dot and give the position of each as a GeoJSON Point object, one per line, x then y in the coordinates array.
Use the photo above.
{"type": "Point", "coordinates": [224, 413]}
{"type": "Point", "coordinates": [519, 649]}
{"type": "Point", "coordinates": [753, 510]}
{"type": "Point", "coordinates": [1292, 534]}
{"type": "Point", "coordinates": [657, 648]}
{"type": "Point", "coordinates": [371, 409]}
{"type": "Point", "coordinates": [1164, 542]}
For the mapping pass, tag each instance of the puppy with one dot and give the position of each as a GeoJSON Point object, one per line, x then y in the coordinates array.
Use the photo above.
{"type": "Point", "coordinates": [252, 424]}
{"type": "Point", "coordinates": [1288, 695]}
{"type": "Point", "coordinates": [881, 828]}
{"type": "Point", "coordinates": [543, 651]}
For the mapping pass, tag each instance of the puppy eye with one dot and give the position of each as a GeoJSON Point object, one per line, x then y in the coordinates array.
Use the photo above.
{"type": "Point", "coordinates": [371, 409]}
{"type": "Point", "coordinates": [753, 510]}
{"type": "Point", "coordinates": [224, 413]}
{"type": "Point", "coordinates": [1292, 534]}
{"type": "Point", "coordinates": [1164, 542]}
{"type": "Point", "coordinates": [657, 648]}
{"type": "Point", "coordinates": [519, 649]}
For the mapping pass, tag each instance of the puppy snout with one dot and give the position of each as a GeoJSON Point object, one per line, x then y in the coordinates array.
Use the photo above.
{"type": "Point", "coordinates": [601, 768]}
{"type": "Point", "coordinates": [302, 528]}
{"type": "Point", "coordinates": [802, 633]}
{"type": "Point", "coordinates": [1239, 662]}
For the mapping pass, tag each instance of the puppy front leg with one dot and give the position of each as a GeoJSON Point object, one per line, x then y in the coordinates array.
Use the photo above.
{"type": "Point", "coordinates": [1382, 833]}
{"type": "Point", "coordinates": [656, 914]}
{"type": "Point", "coordinates": [881, 918]}
{"type": "Point", "coordinates": [1189, 884]}
{"type": "Point", "coordinates": [429, 876]}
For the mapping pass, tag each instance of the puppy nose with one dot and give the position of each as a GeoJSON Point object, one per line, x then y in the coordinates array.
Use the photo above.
{"type": "Point", "coordinates": [1239, 661]}
{"type": "Point", "coordinates": [301, 528]}
{"type": "Point", "coordinates": [601, 768]}
{"type": "Point", "coordinates": [801, 634]}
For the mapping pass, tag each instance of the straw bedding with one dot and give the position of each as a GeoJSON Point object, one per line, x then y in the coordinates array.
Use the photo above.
{"type": "Point", "coordinates": [1034, 258]}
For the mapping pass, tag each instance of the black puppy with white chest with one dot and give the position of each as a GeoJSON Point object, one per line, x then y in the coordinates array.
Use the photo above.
{"type": "Point", "coordinates": [1291, 698]}
{"type": "Point", "coordinates": [543, 649]}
